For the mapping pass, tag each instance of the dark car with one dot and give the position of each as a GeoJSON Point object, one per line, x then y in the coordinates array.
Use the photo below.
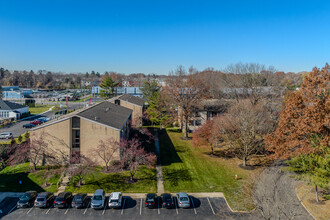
{"type": "Point", "coordinates": [167, 201]}
{"type": "Point", "coordinates": [150, 200]}
{"type": "Point", "coordinates": [27, 200]}
{"type": "Point", "coordinates": [63, 200]}
{"type": "Point", "coordinates": [44, 200]}
{"type": "Point", "coordinates": [29, 126]}
{"type": "Point", "coordinates": [36, 122]}
{"type": "Point", "coordinates": [80, 201]}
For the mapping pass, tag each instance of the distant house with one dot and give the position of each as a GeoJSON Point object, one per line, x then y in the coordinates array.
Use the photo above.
{"type": "Point", "coordinates": [81, 131]}
{"type": "Point", "coordinates": [14, 92]}
{"type": "Point", "coordinates": [206, 110]}
{"type": "Point", "coordinates": [134, 91]}
{"type": "Point", "coordinates": [12, 110]}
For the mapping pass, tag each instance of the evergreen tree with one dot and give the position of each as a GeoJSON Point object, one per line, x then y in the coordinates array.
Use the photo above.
{"type": "Point", "coordinates": [149, 89]}
{"type": "Point", "coordinates": [313, 168]}
{"type": "Point", "coordinates": [157, 111]}
{"type": "Point", "coordinates": [108, 87]}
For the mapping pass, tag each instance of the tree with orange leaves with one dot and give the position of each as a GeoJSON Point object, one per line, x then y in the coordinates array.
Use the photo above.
{"type": "Point", "coordinates": [306, 114]}
{"type": "Point", "coordinates": [206, 135]}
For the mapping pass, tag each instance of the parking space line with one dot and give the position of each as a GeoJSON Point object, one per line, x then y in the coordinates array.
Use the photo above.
{"type": "Point", "coordinates": [29, 210]}
{"type": "Point", "coordinates": [122, 209]}
{"type": "Point", "coordinates": [210, 205]}
{"type": "Point", "coordinates": [158, 205]}
{"type": "Point", "coordinates": [192, 201]}
{"type": "Point", "coordinates": [105, 206]}
{"type": "Point", "coordinates": [12, 209]}
{"type": "Point", "coordinates": [176, 208]}
{"type": "Point", "coordinates": [49, 209]}
{"type": "Point", "coordinates": [67, 209]}
{"type": "Point", "coordinates": [87, 207]}
{"type": "Point", "coordinates": [141, 207]}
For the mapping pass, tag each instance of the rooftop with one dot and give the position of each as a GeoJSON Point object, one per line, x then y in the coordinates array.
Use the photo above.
{"type": "Point", "coordinates": [132, 99]}
{"type": "Point", "coordinates": [6, 105]}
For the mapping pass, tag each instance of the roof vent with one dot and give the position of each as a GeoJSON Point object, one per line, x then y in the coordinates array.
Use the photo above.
{"type": "Point", "coordinates": [107, 109]}
{"type": "Point", "coordinates": [96, 118]}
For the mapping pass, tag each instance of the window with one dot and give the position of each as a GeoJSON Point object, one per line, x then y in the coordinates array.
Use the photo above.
{"type": "Point", "coordinates": [75, 132]}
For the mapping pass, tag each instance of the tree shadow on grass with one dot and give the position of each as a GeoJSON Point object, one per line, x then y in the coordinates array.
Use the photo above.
{"type": "Point", "coordinates": [175, 176]}
{"type": "Point", "coordinates": [11, 183]}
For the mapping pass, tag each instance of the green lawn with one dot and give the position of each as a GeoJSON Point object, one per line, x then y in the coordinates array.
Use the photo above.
{"type": "Point", "coordinates": [39, 109]}
{"type": "Point", "coordinates": [189, 169]}
{"type": "Point", "coordinates": [146, 182]}
{"type": "Point", "coordinates": [10, 177]}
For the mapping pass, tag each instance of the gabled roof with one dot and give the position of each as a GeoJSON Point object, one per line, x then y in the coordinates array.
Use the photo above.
{"type": "Point", "coordinates": [107, 113]}
{"type": "Point", "coordinates": [6, 105]}
{"type": "Point", "coordinates": [132, 99]}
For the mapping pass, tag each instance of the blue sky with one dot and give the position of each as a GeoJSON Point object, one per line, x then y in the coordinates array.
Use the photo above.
{"type": "Point", "coordinates": [157, 36]}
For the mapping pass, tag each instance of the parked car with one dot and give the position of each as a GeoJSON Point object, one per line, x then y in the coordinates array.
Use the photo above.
{"type": "Point", "coordinates": [44, 119]}
{"type": "Point", "coordinates": [115, 200]}
{"type": "Point", "coordinates": [36, 122]}
{"type": "Point", "coordinates": [183, 200]}
{"type": "Point", "coordinates": [150, 200]}
{"type": "Point", "coordinates": [6, 135]}
{"type": "Point", "coordinates": [167, 201]}
{"type": "Point", "coordinates": [27, 200]}
{"type": "Point", "coordinates": [79, 201]}
{"type": "Point", "coordinates": [28, 126]}
{"type": "Point", "coordinates": [98, 199]}
{"type": "Point", "coordinates": [63, 200]}
{"type": "Point", "coordinates": [44, 200]}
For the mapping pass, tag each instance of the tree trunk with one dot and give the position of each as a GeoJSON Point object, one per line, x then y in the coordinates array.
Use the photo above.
{"type": "Point", "coordinates": [212, 152]}
{"type": "Point", "coordinates": [316, 194]}
{"type": "Point", "coordinates": [186, 128]}
{"type": "Point", "coordinates": [244, 161]}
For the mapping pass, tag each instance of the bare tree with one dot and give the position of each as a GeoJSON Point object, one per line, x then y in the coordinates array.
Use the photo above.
{"type": "Point", "coordinates": [185, 91]}
{"type": "Point", "coordinates": [243, 128]}
{"type": "Point", "coordinates": [133, 155]}
{"type": "Point", "coordinates": [80, 166]}
{"type": "Point", "coordinates": [107, 151]}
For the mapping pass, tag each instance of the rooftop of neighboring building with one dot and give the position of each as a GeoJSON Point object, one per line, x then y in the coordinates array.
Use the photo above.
{"type": "Point", "coordinates": [132, 99]}
{"type": "Point", "coordinates": [6, 105]}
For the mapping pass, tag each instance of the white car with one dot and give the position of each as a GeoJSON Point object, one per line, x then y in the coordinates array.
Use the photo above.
{"type": "Point", "coordinates": [115, 200]}
{"type": "Point", "coordinates": [6, 135]}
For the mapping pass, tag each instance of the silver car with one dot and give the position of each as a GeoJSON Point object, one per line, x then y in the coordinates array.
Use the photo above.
{"type": "Point", "coordinates": [6, 135]}
{"type": "Point", "coordinates": [115, 200]}
{"type": "Point", "coordinates": [183, 200]}
{"type": "Point", "coordinates": [98, 199]}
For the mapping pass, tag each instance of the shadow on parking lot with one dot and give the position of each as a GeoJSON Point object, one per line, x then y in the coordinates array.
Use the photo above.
{"type": "Point", "coordinates": [7, 205]}
{"type": "Point", "coordinates": [195, 202]}
{"type": "Point", "coordinates": [129, 202]}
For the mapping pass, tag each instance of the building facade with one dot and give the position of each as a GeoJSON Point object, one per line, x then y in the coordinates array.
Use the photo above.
{"type": "Point", "coordinates": [12, 110]}
{"type": "Point", "coordinates": [82, 131]}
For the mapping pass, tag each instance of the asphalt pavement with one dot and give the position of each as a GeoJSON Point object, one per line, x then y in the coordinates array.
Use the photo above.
{"type": "Point", "coordinates": [201, 208]}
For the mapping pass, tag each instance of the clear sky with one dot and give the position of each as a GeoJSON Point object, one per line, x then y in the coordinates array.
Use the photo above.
{"type": "Point", "coordinates": [157, 36]}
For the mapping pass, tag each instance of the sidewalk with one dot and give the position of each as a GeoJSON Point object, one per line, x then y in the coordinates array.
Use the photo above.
{"type": "Point", "coordinates": [159, 174]}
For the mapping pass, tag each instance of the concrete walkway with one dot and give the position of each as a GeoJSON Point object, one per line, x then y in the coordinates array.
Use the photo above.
{"type": "Point", "coordinates": [159, 174]}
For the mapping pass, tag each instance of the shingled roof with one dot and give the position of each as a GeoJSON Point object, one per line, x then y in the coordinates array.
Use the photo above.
{"type": "Point", "coordinates": [6, 105]}
{"type": "Point", "coordinates": [107, 113]}
{"type": "Point", "coordinates": [132, 99]}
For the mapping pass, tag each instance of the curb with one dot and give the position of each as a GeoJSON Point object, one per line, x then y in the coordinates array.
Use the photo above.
{"type": "Point", "coordinates": [302, 202]}
{"type": "Point", "coordinates": [234, 211]}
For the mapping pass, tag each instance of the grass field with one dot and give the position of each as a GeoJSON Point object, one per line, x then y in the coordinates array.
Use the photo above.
{"type": "Point", "coordinates": [39, 109]}
{"type": "Point", "coordinates": [307, 195]}
{"type": "Point", "coordinates": [10, 177]}
{"type": "Point", "coordinates": [190, 169]}
{"type": "Point", "coordinates": [146, 182]}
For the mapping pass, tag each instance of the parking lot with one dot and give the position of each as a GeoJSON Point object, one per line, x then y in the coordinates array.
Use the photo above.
{"type": "Point", "coordinates": [201, 208]}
